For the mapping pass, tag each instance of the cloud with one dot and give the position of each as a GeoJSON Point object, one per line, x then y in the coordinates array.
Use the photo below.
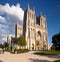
{"type": "Point", "coordinates": [12, 10]}
{"type": "Point", "coordinates": [3, 26]}
{"type": "Point", "coordinates": [2, 19]}
{"type": "Point", "coordinates": [9, 16]}
{"type": "Point", "coordinates": [4, 39]}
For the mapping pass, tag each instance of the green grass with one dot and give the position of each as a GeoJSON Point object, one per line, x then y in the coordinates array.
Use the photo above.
{"type": "Point", "coordinates": [57, 61]}
{"type": "Point", "coordinates": [51, 52]}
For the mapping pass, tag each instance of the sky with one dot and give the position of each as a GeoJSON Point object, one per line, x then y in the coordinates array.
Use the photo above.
{"type": "Point", "coordinates": [12, 11]}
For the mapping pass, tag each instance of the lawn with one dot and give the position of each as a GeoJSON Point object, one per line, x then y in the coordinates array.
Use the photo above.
{"type": "Point", "coordinates": [51, 52]}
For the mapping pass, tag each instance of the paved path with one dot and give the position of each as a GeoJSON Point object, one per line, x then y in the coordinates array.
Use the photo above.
{"type": "Point", "coordinates": [26, 57]}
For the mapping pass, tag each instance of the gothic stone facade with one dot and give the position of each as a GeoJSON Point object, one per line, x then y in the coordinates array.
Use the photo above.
{"type": "Point", "coordinates": [18, 30]}
{"type": "Point", "coordinates": [35, 30]}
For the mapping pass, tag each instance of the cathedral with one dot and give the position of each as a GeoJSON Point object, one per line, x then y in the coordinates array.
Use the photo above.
{"type": "Point", "coordinates": [34, 30]}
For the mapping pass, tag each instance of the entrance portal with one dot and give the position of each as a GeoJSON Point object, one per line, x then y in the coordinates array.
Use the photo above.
{"type": "Point", "coordinates": [32, 46]}
{"type": "Point", "coordinates": [38, 40]}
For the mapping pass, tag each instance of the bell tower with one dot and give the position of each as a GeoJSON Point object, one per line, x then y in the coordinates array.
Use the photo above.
{"type": "Point", "coordinates": [29, 27]}
{"type": "Point", "coordinates": [43, 25]}
{"type": "Point", "coordinates": [42, 20]}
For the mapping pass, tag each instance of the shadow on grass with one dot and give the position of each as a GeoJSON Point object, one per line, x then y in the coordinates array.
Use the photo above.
{"type": "Point", "coordinates": [49, 55]}
{"type": "Point", "coordinates": [53, 56]}
{"type": "Point", "coordinates": [1, 61]}
{"type": "Point", "coordinates": [57, 61]}
{"type": "Point", "coordinates": [37, 60]}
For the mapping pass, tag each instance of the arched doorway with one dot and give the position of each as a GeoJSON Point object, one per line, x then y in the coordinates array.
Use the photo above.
{"type": "Point", "coordinates": [32, 46]}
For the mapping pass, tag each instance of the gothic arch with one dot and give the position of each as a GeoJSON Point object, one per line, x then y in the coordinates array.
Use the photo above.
{"type": "Point", "coordinates": [39, 35]}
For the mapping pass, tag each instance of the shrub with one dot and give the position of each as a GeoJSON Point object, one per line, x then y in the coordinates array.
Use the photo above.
{"type": "Point", "coordinates": [22, 50]}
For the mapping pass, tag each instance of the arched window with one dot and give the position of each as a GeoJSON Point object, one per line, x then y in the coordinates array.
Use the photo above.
{"type": "Point", "coordinates": [39, 35]}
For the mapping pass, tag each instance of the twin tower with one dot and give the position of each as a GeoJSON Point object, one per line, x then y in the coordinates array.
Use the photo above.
{"type": "Point", "coordinates": [35, 30]}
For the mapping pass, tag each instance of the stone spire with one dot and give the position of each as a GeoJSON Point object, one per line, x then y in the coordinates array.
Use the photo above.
{"type": "Point", "coordinates": [44, 15]}
{"type": "Point", "coordinates": [34, 9]}
{"type": "Point", "coordinates": [40, 13]}
{"type": "Point", "coordinates": [28, 6]}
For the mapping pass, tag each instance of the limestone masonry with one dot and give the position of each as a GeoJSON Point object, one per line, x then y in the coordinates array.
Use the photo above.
{"type": "Point", "coordinates": [34, 30]}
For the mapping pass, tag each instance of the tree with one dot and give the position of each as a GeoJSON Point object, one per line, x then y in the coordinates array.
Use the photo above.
{"type": "Point", "coordinates": [6, 45]}
{"type": "Point", "coordinates": [56, 41]}
{"type": "Point", "coordinates": [21, 41]}
{"type": "Point", "coordinates": [1, 46]}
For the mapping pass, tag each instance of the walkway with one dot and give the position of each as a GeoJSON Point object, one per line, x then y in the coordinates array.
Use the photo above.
{"type": "Point", "coordinates": [26, 57]}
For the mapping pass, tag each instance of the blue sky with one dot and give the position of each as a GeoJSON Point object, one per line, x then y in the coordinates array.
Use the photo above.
{"type": "Point", "coordinates": [49, 7]}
